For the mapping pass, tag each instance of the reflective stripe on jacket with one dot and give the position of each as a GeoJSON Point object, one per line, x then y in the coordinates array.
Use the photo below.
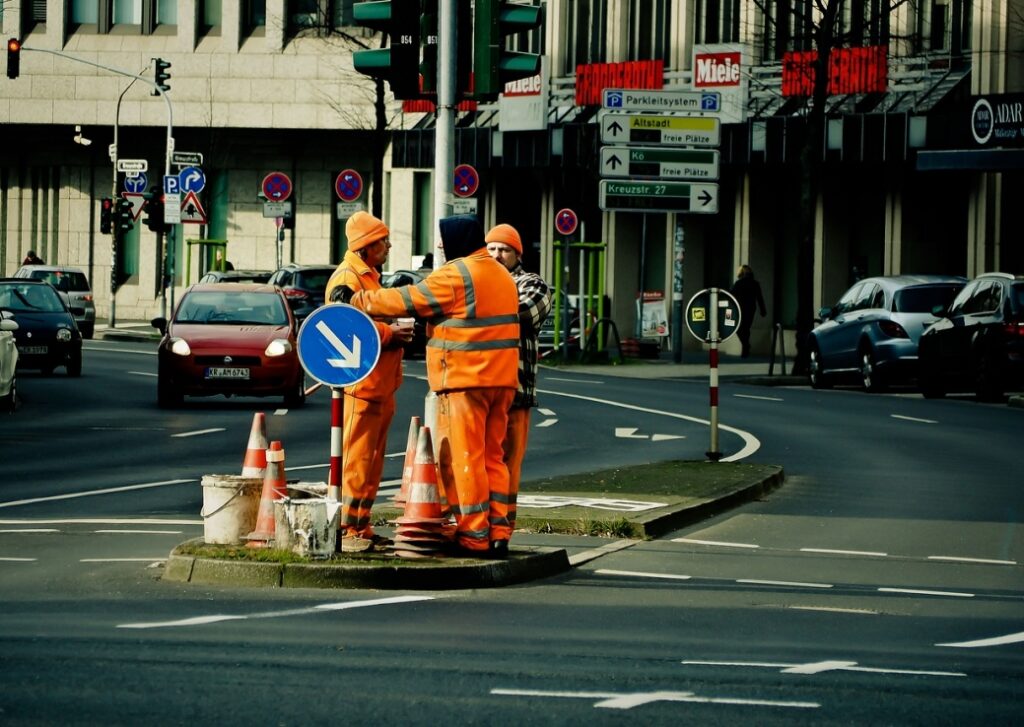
{"type": "Point", "coordinates": [386, 377]}
{"type": "Point", "coordinates": [473, 305]}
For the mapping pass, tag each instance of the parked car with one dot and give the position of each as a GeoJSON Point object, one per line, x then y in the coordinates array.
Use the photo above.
{"type": "Point", "coordinates": [8, 363]}
{"type": "Point", "coordinates": [871, 334]}
{"type": "Point", "coordinates": [978, 343]}
{"type": "Point", "coordinates": [47, 335]}
{"type": "Point", "coordinates": [235, 339]}
{"type": "Point", "coordinates": [236, 276]}
{"type": "Point", "coordinates": [395, 279]}
{"type": "Point", "coordinates": [304, 286]}
{"type": "Point", "coordinates": [73, 285]}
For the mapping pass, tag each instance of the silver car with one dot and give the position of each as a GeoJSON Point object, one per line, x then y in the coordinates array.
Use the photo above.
{"type": "Point", "coordinates": [73, 285]}
{"type": "Point", "coordinates": [8, 363]}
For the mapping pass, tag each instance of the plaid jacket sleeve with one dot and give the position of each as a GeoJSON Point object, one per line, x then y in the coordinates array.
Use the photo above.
{"type": "Point", "coordinates": [534, 301]}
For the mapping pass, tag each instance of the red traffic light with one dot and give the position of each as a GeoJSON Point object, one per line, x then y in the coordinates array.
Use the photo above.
{"type": "Point", "coordinates": [13, 57]}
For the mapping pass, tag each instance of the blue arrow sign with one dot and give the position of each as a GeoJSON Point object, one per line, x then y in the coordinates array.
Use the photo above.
{"type": "Point", "coordinates": [137, 183]}
{"type": "Point", "coordinates": [191, 179]}
{"type": "Point", "coordinates": [338, 345]}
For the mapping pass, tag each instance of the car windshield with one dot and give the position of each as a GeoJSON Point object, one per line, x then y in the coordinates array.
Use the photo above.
{"type": "Point", "coordinates": [923, 299]}
{"type": "Point", "coordinates": [314, 279]}
{"type": "Point", "coordinates": [25, 297]}
{"type": "Point", "coordinates": [65, 281]}
{"type": "Point", "coordinates": [226, 308]}
{"type": "Point", "coordinates": [1017, 293]}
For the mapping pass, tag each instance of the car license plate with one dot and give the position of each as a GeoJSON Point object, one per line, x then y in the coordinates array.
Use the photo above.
{"type": "Point", "coordinates": [216, 372]}
{"type": "Point", "coordinates": [29, 350]}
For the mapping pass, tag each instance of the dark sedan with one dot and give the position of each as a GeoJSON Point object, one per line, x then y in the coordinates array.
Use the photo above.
{"type": "Point", "coordinates": [235, 339]}
{"type": "Point", "coordinates": [47, 334]}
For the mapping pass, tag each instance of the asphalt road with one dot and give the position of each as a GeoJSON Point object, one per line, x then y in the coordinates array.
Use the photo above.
{"type": "Point", "coordinates": [882, 583]}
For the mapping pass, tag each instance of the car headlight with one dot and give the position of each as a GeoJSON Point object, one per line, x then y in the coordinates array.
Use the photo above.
{"type": "Point", "coordinates": [64, 334]}
{"type": "Point", "coordinates": [180, 347]}
{"type": "Point", "coordinates": [278, 347]}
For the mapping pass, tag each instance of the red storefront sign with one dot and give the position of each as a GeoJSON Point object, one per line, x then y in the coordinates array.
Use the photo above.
{"type": "Point", "coordinates": [716, 70]}
{"type": "Point", "coordinates": [850, 70]}
{"type": "Point", "coordinates": [593, 78]}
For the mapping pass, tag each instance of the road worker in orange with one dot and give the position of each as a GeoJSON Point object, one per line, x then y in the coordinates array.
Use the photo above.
{"type": "Point", "coordinates": [368, 405]}
{"type": "Point", "coordinates": [505, 245]}
{"type": "Point", "coordinates": [472, 359]}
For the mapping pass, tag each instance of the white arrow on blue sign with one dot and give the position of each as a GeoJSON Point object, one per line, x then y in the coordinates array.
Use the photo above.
{"type": "Point", "coordinates": [338, 345]}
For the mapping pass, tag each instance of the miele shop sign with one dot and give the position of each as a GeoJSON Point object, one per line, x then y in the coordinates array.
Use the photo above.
{"type": "Point", "coordinates": [998, 120]}
{"type": "Point", "coordinates": [716, 70]}
{"type": "Point", "coordinates": [720, 67]}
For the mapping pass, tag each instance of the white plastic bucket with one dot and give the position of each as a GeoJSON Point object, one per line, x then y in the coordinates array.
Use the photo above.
{"type": "Point", "coordinates": [306, 525]}
{"type": "Point", "coordinates": [230, 504]}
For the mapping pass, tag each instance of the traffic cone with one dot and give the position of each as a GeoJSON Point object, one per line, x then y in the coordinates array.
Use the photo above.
{"type": "Point", "coordinates": [410, 459]}
{"type": "Point", "coordinates": [274, 488]}
{"type": "Point", "coordinates": [420, 532]}
{"type": "Point", "coordinates": [254, 464]}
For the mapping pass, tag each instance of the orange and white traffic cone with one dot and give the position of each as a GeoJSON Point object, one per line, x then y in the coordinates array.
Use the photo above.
{"type": "Point", "coordinates": [254, 464]}
{"type": "Point", "coordinates": [420, 531]}
{"type": "Point", "coordinates": [274, 488]}
{"type": "Point", "coordinates": [410, 459]}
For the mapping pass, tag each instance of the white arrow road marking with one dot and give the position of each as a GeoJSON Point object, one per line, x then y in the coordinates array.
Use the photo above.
{"type": "Point", "coordinates": [547, 423]}
{"type": "Point", "coordinates": [611, 700]}
{"type": "Point", "coordinates": [628, 433]}
{"type": "Point", "coordinates": [823, 666]}
{"type": "Point", "coordinates": [349, 358]}
{"type": "Point", "coordinates": [994, 641]}
{"type": "Point", "coordinates": [665, 437]}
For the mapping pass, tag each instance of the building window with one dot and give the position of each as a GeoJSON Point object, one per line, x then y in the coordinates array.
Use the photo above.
{"type": "Point", "coordinates": [319, 17]}
{"type": "Point", "coordinates": [587, 33]}
{"type": "Point", "coordinates": [127, 12]}
{"type": "Point", "coordinates": [649, 30]}
{"type": "Point", "coordinates": [210, 17]}
{"type": "Point", "coordinates": [254, 17]}
{"type": "Point", "coordinates": [721, 21]}
{"type": "Point", "coordinates": [84, 12]}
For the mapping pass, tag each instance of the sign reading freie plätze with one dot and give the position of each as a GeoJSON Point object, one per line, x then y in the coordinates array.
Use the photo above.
{"type": "Point", "coordinates": [723, 67]}
{"type": "Point", "coordinates": [997, 120]}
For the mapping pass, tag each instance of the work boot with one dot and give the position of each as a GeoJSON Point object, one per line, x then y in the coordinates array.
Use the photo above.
{"type": "Point", "coordinates": [498, 550]}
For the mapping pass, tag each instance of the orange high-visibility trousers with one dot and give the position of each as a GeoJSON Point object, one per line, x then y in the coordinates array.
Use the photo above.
{"type": "Point", "coordinates": [363, 439]}
{"type": "Point", "coordinates": [471, 426]}
{"type": "Point", "coordinates": [516, 437]}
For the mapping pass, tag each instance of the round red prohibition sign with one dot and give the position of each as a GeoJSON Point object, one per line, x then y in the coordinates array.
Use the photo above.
{"type": "Point", "coordinates": [467, 181]}
{"type": "Point", "coordinates": [349, 185]}
{"type": "Point", "coordinates": [277, 187]}
{"type": "Point", "coordinates": [566, 221]}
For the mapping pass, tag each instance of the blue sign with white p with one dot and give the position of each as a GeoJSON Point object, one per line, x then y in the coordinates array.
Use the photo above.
{"type": "Point", "coordinates": [171, 184]}
{"type": "Point", "coordinates": [338, 345]}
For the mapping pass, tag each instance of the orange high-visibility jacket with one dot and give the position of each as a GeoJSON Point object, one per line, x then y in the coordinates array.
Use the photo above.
{"type": "Point", "coordinates": [473, 305]}
{"type": "Point", "coordinates": [386, 377]}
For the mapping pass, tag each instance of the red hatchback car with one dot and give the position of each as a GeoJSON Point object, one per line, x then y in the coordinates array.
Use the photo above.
{"type": "Point", "coordinates": [231, 339]}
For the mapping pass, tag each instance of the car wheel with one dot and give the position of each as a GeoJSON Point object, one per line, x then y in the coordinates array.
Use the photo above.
{"type": "Point", "coordinates": [814, 370]}
{"type": "Point", "coordinates": [74, 365]}
{"type": "Point", "coordinates": [869, 374]}
{"type": "Point", "coordinates": [297, 396]}
{"type": "Point", "coordinates": [10, 402]}
{"type": "Point", "coordinates": [167, 397]}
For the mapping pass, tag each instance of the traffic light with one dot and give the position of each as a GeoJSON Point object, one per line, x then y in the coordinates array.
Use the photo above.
{"type": "Point", "coordinates": [161, 76]}
{"type": "Point", "coordinates": [106, 215]}
{"type": "Point", "coordinates": [493, 66]}
{"type": "Point", "coordinates": [154, 210]}
{"type": "Point", "coordinates": [13, 57]}
{"type": "Point", "coordinates": [399, 64]}
{"type": "Point", "coordinates": [123, 218]}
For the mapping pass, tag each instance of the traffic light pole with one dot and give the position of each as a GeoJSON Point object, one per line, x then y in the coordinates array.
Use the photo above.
{"type": "Point", "coordinates": [444, 141]}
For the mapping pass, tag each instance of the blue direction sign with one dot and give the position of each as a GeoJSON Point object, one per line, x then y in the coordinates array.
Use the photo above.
{"type": "Point", "coordinates": [191, 179]}
{"type": "Point", "coordinates": [137, 183]}
{"type": "Point", "coordinates": [338, 345]}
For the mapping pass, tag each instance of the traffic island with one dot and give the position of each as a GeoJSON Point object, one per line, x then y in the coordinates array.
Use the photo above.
{"type": "Point", "coordinates": [195, 561]}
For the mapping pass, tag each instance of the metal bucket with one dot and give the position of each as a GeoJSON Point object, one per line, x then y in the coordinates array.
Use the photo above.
{"type": "Point", "coordinates": [230, 504]}
{"type": "Point", "coordinates": [306, 524]}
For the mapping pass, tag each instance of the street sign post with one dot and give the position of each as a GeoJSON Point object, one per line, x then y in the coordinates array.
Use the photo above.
{"type": "Point", "coordinates": [273, 210]}
{"type": "Point", "coordinates": [657, 196]}
{"type": "Point", "coordinates": [338, 345]}
{"type": "Point", "coordinates": [638, 99]}
{"type": "Point", "coordinates": [619, 128]}
{"type": "Point", "coordinates": [172, 208]}
{"type": "Point", "coordinates": [645, 161]}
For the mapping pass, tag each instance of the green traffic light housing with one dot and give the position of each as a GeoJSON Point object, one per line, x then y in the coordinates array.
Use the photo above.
{"type": "Point", "coordinates": [161, 76]}
{"type": "Point", "coordinates": [398, 64]}
{"type": "Point", "coordinates": [124, 219]}
{"type": "Point", "coordinates": [493, 66]}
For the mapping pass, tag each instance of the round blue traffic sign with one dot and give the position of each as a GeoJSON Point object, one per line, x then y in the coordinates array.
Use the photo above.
{"type": "Point", "coordinates": [277, 187]}
{"type": "Point", "coordinates": [338, 345]}
{"type": "Point", "coordinates": [137, 183]}
{"type": "Point", "coordinates": [467, 181]}
{"type": "Point", "coordinates": [566, 221]}
{"type": "Point", "coordinates": [348, 185]}
{"type": "Point", "coordinates": [191, 179]}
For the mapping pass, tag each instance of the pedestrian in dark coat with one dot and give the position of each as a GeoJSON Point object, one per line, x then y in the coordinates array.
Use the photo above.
{"type": "Point", "coordinates": [747, 292]}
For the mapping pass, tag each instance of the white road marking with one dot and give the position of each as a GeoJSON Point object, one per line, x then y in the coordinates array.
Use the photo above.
{"type": "Point", "coordinates": [547, 423]}
{"type": "Point", "coordinates": [750, 443]}
{"type": "Point", "coordinates": [91, 493]}
{"type": "Point", "coordinates": [197, 432]}
{"type": "Point", "coordinates": [760, 398]}
{"type": "Point", "coordinates": [201, 620]}
{"type": "Point", "coordinates": [159, 558]}
{"type": "Point", "coordinates": [641, 574]}
{"type": "Point", "coordinates": [32, 530]}
{"type": "Point", "coordinates": [296, 468]}
{"type": "Point", "coordinates": [545, 412]}
{"type": "Point", "coordinates": [628, 433]}
{"type": "Point", "coordinates": [102, 521]}
{"type": "Point", "coordinates": [918, 592]}
{"type": "Point", "coordinates": [16, 560]}
{"type": "Point", "coordinates": [829, 551]}
{"type": "Point", "coordinates": [823, 666]}
{"type": "Point", "coordinates": [143, 373]}
{"type": "Point", "coordinates": [665, 437]}
{"type": "Point", "coordinates": [955, 559]}
{"type": "Point", "coordinates": [280, 412]}
{"type": "Point", "coordinates": [572, 381]}
{"type": "Point", "coordinates": [797, 584]}
{"type": "Point", "coordinates": [994, 641]}
{"type": "Point", "coordinates": [715, 542]}
{"type": "Point", "coordinates": [913, 419]}
{"type": "Point", "coordinates": [833, 609]}
{"type": "Point", "coordinates": [628, 700]}
{"type": "Point", "coordinates": [141, 532]}
{"type": "Point", "coordinates": [589, 555]}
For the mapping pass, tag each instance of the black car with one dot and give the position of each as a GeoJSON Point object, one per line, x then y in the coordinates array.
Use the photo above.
{"type": "Point", "coordinates": [47, 334]}
{"type": "Point", "coordinates": [978, 345]}
{"type": "Point", "coordinates": [303, 286]}
{"type": "Point", "coordinates": [396, 279]}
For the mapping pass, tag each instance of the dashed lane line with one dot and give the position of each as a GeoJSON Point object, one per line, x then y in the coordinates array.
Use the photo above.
{"type": "Point", "coordinates": [197, 433]}
{"type": "Point", "coordinates": [719, 543]}
{"type": "Point", "coordinates": [759, 398]}
{"type": "Point", "coordinates": [994, 641]}
{"type": "Point", "coordinates": [830, 551]}
{"type": "Point", "coordinates": [957, 559]}
{"type": "Point", "coordinates": [31, 530]}
{"type": "Point", "coordinates": [923, 592]}
{"type": "Point", "coordinates": [17, 560]}
{"type": "Point", "coordinates": [629, 700]}
{"type": "Point", "coordinates": [790, 584]}
{"type": "Point", "coordinates": [92, 493]}
{"type": "Point", "coordinates": [820, 667]}
{"type": "Point", "coordinates": [666, 576]}
{"type": "Point", "coordinates": [139, 532]}
{"type": "Point", "coordinates": [913, 419]}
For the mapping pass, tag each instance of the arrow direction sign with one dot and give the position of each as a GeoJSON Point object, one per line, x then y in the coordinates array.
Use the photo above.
{"type": "Point", "coordinates": [349, 356]}
{"type": "Point", "coordinates": [654, 196]}
{"type": "Point", "coordinates": [660, 129]}
{"type": "Point", "coordinates": [338, 345]}
{"type": "Point", "coordinates": [646, 161]}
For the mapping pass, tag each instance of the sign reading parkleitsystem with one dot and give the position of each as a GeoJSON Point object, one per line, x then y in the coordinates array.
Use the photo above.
{"type": "Point", "coordinates": [657, 196]}
{"type": "Point", "coordinates": [660, 129]}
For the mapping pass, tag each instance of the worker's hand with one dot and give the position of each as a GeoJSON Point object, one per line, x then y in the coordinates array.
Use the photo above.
{"type": "Point", "coordinates": [342, 294]}
{"type": "Point", "coordinates": [402, 329]}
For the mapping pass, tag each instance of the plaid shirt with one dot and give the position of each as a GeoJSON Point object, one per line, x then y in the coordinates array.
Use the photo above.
{"type": "Point", "coordinates": [534, 306]}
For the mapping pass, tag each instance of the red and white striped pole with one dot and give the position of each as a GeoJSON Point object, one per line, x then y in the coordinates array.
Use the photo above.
{"type": "Point", "coordinates": [337, 419]}
{"type": "Point", "coordinates": [713, 454]}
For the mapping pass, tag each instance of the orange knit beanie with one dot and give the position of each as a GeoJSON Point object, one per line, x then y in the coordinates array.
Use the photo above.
{"type": "Point", "coordinates": [507, 235]}
{"type": "Point", "coordinates": [363, 229]}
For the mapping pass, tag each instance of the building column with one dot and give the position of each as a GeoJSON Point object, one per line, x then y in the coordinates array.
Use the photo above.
{"type": "Point", "coordinates": [892, 255]}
